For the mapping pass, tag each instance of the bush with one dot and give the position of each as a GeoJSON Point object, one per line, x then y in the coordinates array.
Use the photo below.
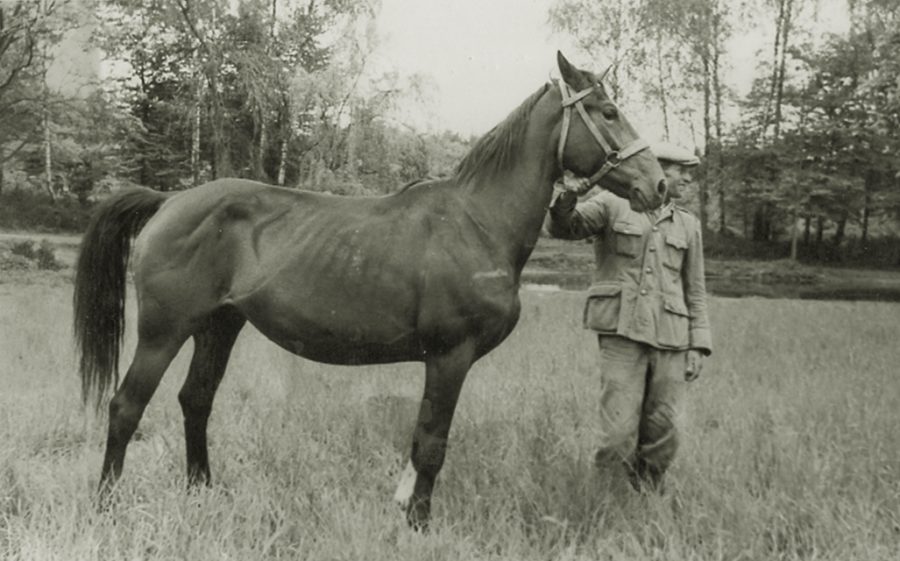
{"type": "Point", "coordinates": [24, 249]}
{"type": "Point", "coordinates": [44, 255]}
{"type": "Point", "coordinates": [37, 212]}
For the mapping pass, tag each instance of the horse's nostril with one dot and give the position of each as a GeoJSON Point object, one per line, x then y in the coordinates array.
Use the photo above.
{"type": "Point", "coordinates": [661, 188]}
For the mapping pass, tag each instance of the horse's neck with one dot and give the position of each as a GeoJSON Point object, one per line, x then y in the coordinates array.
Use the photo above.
{"type": "Point", "coordinates": [511, 205]}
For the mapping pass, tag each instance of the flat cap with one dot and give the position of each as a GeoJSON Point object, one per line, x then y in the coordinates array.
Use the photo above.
{"type": "Point", "coordinates": [673, 153]}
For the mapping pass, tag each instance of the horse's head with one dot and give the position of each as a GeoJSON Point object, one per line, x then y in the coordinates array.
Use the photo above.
{"type": "Point", "coordinates": [599, 142]}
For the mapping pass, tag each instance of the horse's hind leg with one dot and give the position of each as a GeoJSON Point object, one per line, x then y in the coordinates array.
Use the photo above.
{"type": "Point", "coordinates": [444, 377]}
{"type": "Point", "coordinates": [151, 358]}
{"type": "Point", "coordinates": [212, 347]}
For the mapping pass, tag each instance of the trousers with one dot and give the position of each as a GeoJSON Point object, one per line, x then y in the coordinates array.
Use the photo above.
{"type": "Point", "coordinates": [641, 408]}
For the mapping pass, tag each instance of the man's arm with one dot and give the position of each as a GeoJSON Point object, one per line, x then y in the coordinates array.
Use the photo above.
{"type": "Point", "coordinates": [694, 280]}
{"type": "Point", "coordinates": [570, 220]}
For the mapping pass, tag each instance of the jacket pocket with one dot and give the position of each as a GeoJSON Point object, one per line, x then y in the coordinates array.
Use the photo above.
{"type": "Point", "coordinates": [628, 238]}
{"type": "Point", "coordinates": [675, 247]}
{"type": "Point", "coordinates": [674, 323]}
{"type": "Point", "coordinates": [601, 311]}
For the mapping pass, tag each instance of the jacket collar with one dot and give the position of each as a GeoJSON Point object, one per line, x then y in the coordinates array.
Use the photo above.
{"type": "Point", "coordinates": [660, 214]}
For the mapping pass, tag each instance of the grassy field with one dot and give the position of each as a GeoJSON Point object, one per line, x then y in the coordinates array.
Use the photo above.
{"type": "Point", "coordinates": [792, 449]}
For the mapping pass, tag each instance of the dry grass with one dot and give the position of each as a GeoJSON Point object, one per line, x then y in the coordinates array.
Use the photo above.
{"type": "Point", "coordinates": [792, 451]}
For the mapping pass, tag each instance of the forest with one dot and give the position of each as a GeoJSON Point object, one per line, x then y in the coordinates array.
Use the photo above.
{"type": "Point", "coordinates": [801, 164]}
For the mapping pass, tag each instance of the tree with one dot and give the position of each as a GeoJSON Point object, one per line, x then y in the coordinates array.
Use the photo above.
{"type": "Point", "coordinates": [20, 52]}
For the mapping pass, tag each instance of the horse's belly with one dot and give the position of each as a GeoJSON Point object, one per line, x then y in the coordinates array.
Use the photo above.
{"type": "Point", "coordinates": [334, 347]}
{"type": "Point", "coordinates": [342, 331]}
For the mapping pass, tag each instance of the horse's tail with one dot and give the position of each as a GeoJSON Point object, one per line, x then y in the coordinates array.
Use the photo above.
{"type": "Point", "coordinates": [99, 299]}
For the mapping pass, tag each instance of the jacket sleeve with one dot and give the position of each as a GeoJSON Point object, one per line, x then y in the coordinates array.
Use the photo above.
{"type": "Point", "coordinates": [571, 220]}
{"type": "Point", "coordinates": [694, 281]}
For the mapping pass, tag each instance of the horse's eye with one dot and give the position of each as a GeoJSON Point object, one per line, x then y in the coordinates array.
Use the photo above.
{"type": "Point", "coordinates": [610, 112]}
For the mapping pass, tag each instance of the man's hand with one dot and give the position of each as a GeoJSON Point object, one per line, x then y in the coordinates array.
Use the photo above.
{"type": "Point", "coordinates": [577, 185]}
{"type": "Point", "coordinates": [694, 365]}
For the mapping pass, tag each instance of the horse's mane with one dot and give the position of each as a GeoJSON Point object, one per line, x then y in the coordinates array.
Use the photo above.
{"type": "Point", "coordinates": [493, 152]}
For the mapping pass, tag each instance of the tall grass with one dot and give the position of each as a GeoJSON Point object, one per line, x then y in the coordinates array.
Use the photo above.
{"type": "Point", "coordinates": [791, 450]}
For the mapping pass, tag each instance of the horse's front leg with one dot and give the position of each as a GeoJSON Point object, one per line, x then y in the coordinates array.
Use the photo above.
{"type": "Point", "coordinates": [444, 377]}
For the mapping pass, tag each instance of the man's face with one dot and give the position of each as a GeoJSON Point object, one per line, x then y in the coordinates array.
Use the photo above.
{"type": "Point", "coordinates": [677, 177]}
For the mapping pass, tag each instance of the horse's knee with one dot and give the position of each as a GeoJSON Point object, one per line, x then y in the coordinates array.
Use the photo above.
{"type": "Point", "coordinates": [428, 455]}
{"type": "Point", "coordinates": [124, 416]}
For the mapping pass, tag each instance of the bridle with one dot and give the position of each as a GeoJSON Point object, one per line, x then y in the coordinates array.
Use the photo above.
{"type": "Point", "coordinates": [614, 156]}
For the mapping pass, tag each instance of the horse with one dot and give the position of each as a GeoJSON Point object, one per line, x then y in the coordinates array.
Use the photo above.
{"type": "Point", "coordinates": [429, 273]}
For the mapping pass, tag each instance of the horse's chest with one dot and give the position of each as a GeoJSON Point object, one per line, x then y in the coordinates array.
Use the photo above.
{"type": "Point", "coordinates": [484, 305]}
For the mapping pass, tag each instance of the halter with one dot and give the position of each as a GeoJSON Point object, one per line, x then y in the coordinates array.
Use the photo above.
{"type": "Point", "coordinates": [614, 157]}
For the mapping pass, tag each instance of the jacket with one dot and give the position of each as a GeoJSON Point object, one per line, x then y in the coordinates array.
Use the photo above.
{"type": "Point", "coordinates": [649, 283]}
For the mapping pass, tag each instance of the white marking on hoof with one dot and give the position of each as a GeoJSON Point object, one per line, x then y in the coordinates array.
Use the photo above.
{"type": "Point", "coordinates": [407, 486]}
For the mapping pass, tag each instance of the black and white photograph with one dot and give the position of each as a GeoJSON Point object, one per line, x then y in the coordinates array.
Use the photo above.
{"type": "Point", "coordinates": [462, 280]}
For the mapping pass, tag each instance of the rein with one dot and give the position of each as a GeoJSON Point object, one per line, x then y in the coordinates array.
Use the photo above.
{"type": "Point", "coordinates": [614, 156]}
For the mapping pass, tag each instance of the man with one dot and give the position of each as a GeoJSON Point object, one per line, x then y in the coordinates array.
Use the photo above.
{"type": "Point", "coordinates": [648, 307]}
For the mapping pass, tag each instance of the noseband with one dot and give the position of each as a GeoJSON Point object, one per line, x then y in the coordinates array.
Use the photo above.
{"type": "Point", "coordinates": [614, 156]}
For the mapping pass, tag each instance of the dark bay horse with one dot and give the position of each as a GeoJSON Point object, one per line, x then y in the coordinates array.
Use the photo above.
{"type": "Point", "coordinates": [430, 273]}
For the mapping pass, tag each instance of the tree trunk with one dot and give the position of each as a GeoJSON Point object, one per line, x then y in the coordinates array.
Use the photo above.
{"type": "Point", "coordinates": [48, 154]}
{"type": "Point", "coordinates": [795, 232]}
{"type": "Point", "coordinates": [820, 230]}
{"type": "Point", "coordinates": [806, 230]}
{"type": "Point", "coordinates": [723, 225]}
{"type": "Point", "coordinates": [261, 149]}
{"type": "Point", "coordinates": [759, 224]}
{"type": "Point", "coordinates": [660, 73]}
{"type": "Point", "coordinates": [707, 126]}
{"type": "Point", "coordinates": [839, 232]}
{"type": "Point", "coordinates": [785, 34]}
{"type": "Point", "coordinates": [45, 118]}
{"type": "Point", "coordinates": [221, 166]}
{"type": "Point", "coordinates": [744, 214]}
{"type": "Point", "coordinates": [259, 160]}
{"type": "Point", "coordinates": [717, 100]}
{"type": "Point", "coordinates": [867, 202]}
{"type": "Point", "coordinates": [773, 87]}
{"type": "Point", "coordinates": [282, 160]}
{"type": "Point", "coordinates": [195, 134]}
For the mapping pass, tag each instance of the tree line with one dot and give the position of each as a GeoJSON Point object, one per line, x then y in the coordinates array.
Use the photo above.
{"type": "Point", "coordinates": [198, 89]}
{"type": "Point", "coordinates": [283, 91]}
{"type": "Point", "coordinates": [808, 153]}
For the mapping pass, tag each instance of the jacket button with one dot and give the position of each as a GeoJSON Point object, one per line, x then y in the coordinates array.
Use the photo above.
{"type": "Point", "coordinates": [652, 248]}
{"type": "Point", "coordinates": [648, 270]}
{"type": "Point", "coordinates": [656, 228]}
{"type": "Point", "coordinates": [643, 292]}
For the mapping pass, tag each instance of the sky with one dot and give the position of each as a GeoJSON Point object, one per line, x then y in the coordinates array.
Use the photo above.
{"type": "Point", "coordinates": [483, 57]}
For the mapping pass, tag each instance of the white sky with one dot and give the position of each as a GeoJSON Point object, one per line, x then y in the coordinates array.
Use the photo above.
{"type": "Point", "coordinates": [484, 57]}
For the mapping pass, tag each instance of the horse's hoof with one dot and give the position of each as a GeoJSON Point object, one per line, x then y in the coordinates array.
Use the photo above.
{"type": "Point", "coordinates": [418, 515]}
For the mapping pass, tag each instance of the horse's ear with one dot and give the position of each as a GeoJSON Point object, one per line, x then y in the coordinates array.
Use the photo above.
{"type": "Point", "coordinates": [605, 72]}
{"type": "Point", "coordinates": [571, 75]}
